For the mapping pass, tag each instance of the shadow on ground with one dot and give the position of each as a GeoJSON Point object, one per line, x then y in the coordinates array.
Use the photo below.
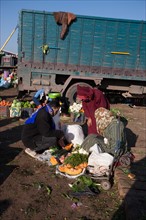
{"type": "Point", "coordinates": [9, 147]}
{"type": "Point", "coordinates": [4, 205]}
{"type": "Point", "coordinates": [134, 202]}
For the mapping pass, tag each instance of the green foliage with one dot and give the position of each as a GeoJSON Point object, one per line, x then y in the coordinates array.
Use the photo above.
{"type": "Point", "coordinates": [82, 183]}
{"type": "Point", "coordinates": [115, 111]}
{"type": "Point", "coordinates": [57, 152]}
{"type": "Point", "coordinates": [76, 159]}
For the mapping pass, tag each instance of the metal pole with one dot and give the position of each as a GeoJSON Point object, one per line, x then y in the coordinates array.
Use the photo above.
{"type": "Point", "coordinates": [8, 38]}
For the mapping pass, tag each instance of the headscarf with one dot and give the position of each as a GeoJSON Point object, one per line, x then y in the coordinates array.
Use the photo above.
{"type": "Point", "coordinates": [103, 119]}
{"type": "Point", "coordinates": [84, 92]}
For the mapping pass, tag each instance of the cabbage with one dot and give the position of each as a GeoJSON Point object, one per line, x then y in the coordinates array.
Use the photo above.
{"type": "Point", "coordinates": [18, 104]}
{"type": "Point", "coordinates": [14, 101]}
{"type": "Point", "coordinates": [13, 105]}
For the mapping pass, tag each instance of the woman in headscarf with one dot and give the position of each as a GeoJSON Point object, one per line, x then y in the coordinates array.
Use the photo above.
{"type": "Point", "coordinates": [92, 99]}
{"type": "Point", "coordinates": [111, 133]}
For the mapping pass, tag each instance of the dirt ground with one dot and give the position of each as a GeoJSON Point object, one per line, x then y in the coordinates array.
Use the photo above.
{"type": "Point", "coordinates": [30, 189]}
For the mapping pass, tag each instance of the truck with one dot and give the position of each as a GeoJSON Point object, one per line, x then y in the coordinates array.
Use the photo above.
{"type": "Point", "coordinates": [8, 60]}
{"type": "Point", "coordinates": [60, 50]}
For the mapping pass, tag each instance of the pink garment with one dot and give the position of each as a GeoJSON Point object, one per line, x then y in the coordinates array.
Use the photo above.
{"type": "Point", "coordinates": [92, 99]}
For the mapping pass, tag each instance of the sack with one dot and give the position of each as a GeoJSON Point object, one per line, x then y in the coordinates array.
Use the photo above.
{"type": "Point", "coordinates": [74, 134]}
{"type": "Point", "coordinates": [100, 159]}
{"type": "Point", "coordinates": [116, 136]}
{"type": "Point", "coordinates": [99, 163]}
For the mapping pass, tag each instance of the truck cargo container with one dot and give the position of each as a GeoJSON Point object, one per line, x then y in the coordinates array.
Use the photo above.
{"type": "Point", "coordinates": [95, 51]}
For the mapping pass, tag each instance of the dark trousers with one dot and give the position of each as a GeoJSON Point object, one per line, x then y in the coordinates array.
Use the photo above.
{"type": "Point", "coordinates": [41, 143]}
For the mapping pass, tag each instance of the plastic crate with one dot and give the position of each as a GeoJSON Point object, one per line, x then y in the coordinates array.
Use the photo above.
{"type": "Point", "coordinates": [4, 111]}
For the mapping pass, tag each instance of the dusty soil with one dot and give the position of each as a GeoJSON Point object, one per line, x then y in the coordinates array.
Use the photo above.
{"type": "Point", "coordinates": [30, 189]}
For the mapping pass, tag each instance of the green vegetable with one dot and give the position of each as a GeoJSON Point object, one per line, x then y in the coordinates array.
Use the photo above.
{"type": "Point", "coordinates": [13, 105]}
{"type": "Point", "coordinates": [18, 104]}
{"type": "Point", "coordinates": [82, 183]}
{"type": "Point", "coordinates": [115, 111]}
{"type": "Point", "coordinates": [15, 101]}
{"type": "Point", "coordinates": [57, 152]}
{"type": "Point", "coordinates": [76, 159]}
{"type": "Point", "coordinates": [33, 106]}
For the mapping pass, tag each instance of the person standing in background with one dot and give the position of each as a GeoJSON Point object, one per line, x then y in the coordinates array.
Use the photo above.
{"type": "Point", "coordinates": [92, 99]}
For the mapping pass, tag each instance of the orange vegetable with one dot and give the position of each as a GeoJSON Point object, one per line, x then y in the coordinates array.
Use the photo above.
{"type": "Point", "coordinates": [68, 166]}
{"type": "Point", "coordinates": [131, 176]}
{"type": "Point", "coordinates": [68, 146]}
{"type": "Point", "coordinates": [62, 168]}
{"type": "Point", "coordinates": [5, 103]}
{"type": "Point", "coordinates": [71, 171]}
{"type": "Point", "coordinates": [53, 161]}
{"type": "Point", "coordinates": [82, 165]}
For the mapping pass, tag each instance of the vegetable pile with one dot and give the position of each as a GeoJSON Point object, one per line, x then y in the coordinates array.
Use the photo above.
{"type": "Point", "coordinates": [22, 104]}
{"type": "Point", "coordinates": [74, 164]}
{"type": "Point", "coordinates": [76, 159]}
{"type": "Point", "coordinates": [5, 103]}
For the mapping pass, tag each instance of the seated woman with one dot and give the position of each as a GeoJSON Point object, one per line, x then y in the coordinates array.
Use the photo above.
{"type": "Point", "coordinates": [111, 132]}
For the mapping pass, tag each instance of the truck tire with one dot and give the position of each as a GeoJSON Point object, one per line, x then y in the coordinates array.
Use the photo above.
{"type": "Point", "coordinates": [72, 91]}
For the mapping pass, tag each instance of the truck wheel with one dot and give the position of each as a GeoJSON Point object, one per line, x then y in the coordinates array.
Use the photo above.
{"type": "Point", "coordinates": [72, 91]}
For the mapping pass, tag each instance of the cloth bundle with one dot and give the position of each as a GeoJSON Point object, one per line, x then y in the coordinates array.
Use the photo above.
{"type": "Point", "coordinates": [64, 18]}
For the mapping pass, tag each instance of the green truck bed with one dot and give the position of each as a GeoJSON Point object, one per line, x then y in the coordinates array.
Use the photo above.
{"type": "Point", "coordinates": [93, 47]}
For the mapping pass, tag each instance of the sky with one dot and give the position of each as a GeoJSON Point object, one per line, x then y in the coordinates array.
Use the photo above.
{"type": "Point", "coordinates": [9, 11]}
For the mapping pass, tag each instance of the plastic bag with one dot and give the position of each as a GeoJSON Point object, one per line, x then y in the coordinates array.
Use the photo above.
{"type": "Point", "coordinates": [74, 134]}
{"type": "Point", "coordinates": [100, 159]}
{"type": "Point", "coordinates": [99, 163]}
